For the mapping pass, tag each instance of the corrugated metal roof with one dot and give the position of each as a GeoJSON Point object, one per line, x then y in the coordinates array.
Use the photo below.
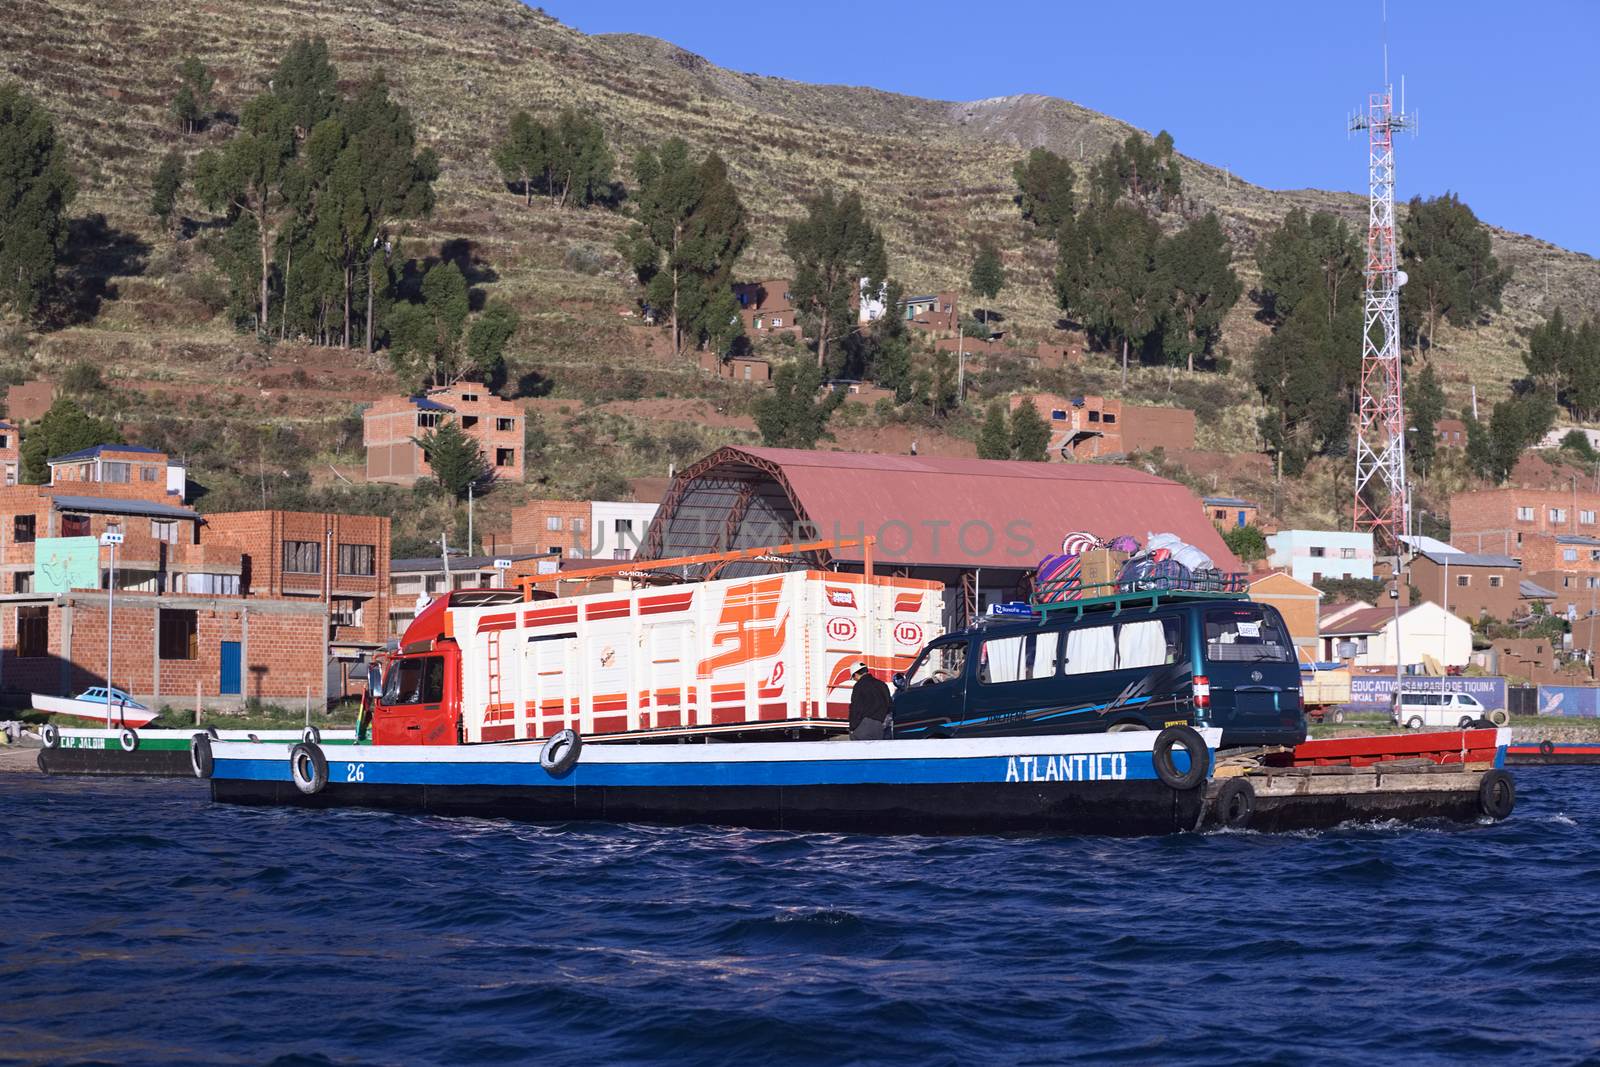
{"type": "Point", "coordinates": [1364, 621]}
{"type": "Point", "coordinates": [1577, 539]}
{"type": "Point", "coordinates": [122, 507]}
{"type": "Point", "coordinates": [425, 404]}
{"type": "Point", "coordinates": [428, 564]}
{"type": "Point", "coordinates": [1227, 502]}
{"type": "Point", "coordinates": [1469, 559]}
{"type": "Point", "coordinates": [94, 450]}
{"type": "Point", "coordinates": [939, 511]}
{"type": "Point", "coordinates": [1535, 591]}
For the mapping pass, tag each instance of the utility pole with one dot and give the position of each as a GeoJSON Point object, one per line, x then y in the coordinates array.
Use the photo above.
{"type": "Point", "coordinates": [111, 539]}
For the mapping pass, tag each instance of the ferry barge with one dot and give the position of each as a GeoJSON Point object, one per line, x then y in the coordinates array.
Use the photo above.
{"type": "Point", "coordinates": [725, 702]}
{"type": "Point", "coordinates": [130, 753]}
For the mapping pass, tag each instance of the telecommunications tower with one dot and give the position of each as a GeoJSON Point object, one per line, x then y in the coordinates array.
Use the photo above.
{"type": "Point", "coordinates": [1382, 499]}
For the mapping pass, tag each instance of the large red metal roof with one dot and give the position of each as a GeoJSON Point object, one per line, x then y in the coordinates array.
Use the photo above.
{"type": "Point", "coordinates": [938, 511]}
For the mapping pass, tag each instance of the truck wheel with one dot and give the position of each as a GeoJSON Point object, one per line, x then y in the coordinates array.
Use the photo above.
{"type": "Point", "coordinates": [1338, 715]}
{"type": "Point", "coordinates": [1414, 723]}
{"type": "Point", "coordinates": [1497, 794]}
{"type": "Point", "coordinates": [1167, 768]}
{"type": "Point", "coordinates": [1125, 727]}
{"type": "Point", "coordinates": [1465, 723]}
{"type": "Point", "coordinates": [128, 740]}
{"type": "Point", "coordinates": [1235, 803]}
{"type": "Point", "coordinates": [200, 756]}
{"type": "Point", "coordinates": [560, 753]}
{"type": "Point", "coordinates": [50, 735]}
{"type": "Point", "coordinates": [309, 768]}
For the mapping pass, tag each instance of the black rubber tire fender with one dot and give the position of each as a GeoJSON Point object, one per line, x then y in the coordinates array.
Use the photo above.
{"type": "Point", "coordinates": [1547, 748]}
{"type": "Point", "coordinates": [1167, 769]}
{"type": "Point", "coordinates": [560, 753]}
{"type": "Point", "coordinates": [128, 739]}
{"type": "Point", "coordinates": [1500, 717]}
{"type": "Point", "coordinates": [309, 768]}
{"type": "Point", "coordinates": [1497, 794]}
{"type": "Point", "coordinates": [1235, 803]}
{"type": "Point", "coordinates": [200, 756]}
{"type": "Point", "coordinates": [1466, 722]}
{"type": "Point", "coordinates": [311, 735]}
{"type": "Point", "coordinates": [211, 732]}
{"type": "Point", "coordinates": [50, 735]}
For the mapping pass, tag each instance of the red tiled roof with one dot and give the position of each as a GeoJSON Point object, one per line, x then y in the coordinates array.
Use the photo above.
{"type": "Point", "coordinates": [920, 506]}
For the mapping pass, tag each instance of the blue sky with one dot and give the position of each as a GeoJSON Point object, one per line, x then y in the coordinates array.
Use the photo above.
{"type": "Point", "coordinates": [1506, 92]}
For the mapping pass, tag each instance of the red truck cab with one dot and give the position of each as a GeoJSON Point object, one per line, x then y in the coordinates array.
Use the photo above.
{"type": "Point", "coordinates": [419, 700]}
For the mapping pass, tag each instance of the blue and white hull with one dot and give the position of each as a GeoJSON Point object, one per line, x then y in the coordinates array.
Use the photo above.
{"type": "Point", "coordinates": [1096, 783]}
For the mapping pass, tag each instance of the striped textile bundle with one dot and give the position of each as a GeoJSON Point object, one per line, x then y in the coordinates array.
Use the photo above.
{"type": "Point", "coordinates": [1059, 578]}
{"type": "Point", "coordinates": [1076, 544]}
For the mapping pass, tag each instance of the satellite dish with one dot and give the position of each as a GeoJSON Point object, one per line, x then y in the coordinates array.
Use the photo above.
{"type": "Point", "coordinates": [1401, 277]}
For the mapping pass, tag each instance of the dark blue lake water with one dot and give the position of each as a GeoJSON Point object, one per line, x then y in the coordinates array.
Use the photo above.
{"type": "Point", "coordinates": [139, 923]}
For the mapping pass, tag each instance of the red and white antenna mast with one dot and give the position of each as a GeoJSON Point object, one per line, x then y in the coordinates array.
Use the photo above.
{"type": "Point", "coordinates": [1382, 499]}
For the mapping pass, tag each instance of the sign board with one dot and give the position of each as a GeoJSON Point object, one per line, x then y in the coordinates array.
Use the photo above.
{"type": "Point", "coordinates": [111, 537]}
{"type": "Point", "coordinates": [1370, 690]}
{"type": "Point", "coordinates": [64, 563]}
{"type": "Point", "coordinates": [502, 564]}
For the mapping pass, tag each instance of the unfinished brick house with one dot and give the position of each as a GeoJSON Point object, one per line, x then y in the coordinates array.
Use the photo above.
{"type": "Point", "coordinates": [10, 453]}
{"type": "Point", "coordinates": [390, 429]}
{"type": "Point", "coordinates": [749, 369]}
{"type": "Point", "coordinates": [1087, 427]}
{"type": "Point", "coordinates": [267, 605]}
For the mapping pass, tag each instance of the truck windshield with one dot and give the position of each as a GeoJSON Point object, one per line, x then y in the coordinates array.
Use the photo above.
{"type": "Point", "coordinates": [419, 680]}
{"type": "Point", "coordinates": [1246, 634]}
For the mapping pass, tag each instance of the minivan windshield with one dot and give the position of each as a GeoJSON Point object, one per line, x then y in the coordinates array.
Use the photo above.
{"type": "Point", "coordinates": [1246, 634]}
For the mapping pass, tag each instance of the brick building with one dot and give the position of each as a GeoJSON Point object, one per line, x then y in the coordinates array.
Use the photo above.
{"type": "Point", "coordinates": [1554, 533]}
{"type": "Point", "coordinates": [1228, 511]}
{"type": "Point", "coordinates": [575, 529]}
{"type": "Point", "coordinates": [932, 312]}
{"type": "Point", "coordinates": [751, 369]}
{"type": "Point", "coordinates": [412, 582]}
{"type": "Point", "coordinates": [1471, 584]}
{"type": "Point", "coordinates": [1084, 427]}
{"type": "Point", "coordinates": [766, 308]}
{"type": "Point", "coordinates": [241, 604]}
{"type": "Point", "coordinates": [10, 453]}
{"type": "Point", "coordinates": [1450, 433]}
{"type": "Point", "coordinates": [145, 472]}
{"type": "Point", "coordinates": [1298, 603]}
{"type": "Point", "coordinates": [390, 427]}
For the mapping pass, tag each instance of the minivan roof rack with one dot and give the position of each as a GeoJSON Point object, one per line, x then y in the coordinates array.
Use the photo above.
{"type": "Point", "coordinates": [1057, 595]}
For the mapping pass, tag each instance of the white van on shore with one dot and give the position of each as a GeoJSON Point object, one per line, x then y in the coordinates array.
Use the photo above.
{"type": "Point", "coordinates": [1415, 710]}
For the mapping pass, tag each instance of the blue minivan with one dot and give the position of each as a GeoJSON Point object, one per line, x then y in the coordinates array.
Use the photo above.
{"type": "Point", "coordinates": [1124, 664]}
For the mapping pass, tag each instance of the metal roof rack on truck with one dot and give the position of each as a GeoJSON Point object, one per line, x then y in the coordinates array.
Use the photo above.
{"type": "Point", "coordinates": [1057, 595]}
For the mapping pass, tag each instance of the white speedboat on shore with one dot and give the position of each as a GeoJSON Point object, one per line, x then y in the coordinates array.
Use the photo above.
{"type": "Point", "coordinates": [100, 703]}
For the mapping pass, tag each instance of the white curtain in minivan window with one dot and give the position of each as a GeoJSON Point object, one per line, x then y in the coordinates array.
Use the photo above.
{"type": "Point", "coordinates": [1090, 650]}
{"type": "Point", "coordinates": [1016, 659]}
{"type": "Point", "coordinates": [1141, 644]}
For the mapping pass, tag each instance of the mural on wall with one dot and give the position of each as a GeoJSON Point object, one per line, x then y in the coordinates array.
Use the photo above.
{"type": "Point", "coordinates": [61, 564]}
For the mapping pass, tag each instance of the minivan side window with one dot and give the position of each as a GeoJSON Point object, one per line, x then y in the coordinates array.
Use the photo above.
{"type": "Point", "coordinates": [1021, 658]}
{"type": "Point", "coordinates": [1124, 646]}
{"type": "Point", "coordinates": [1246, 634]}
{"type": "Point", "coordinates": [941, 663]}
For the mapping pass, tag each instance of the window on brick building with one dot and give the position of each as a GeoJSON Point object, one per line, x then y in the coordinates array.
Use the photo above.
{"type": "Point", "coordinates": [23, 529]}
{"type": "Point", "coordinates": [552, 522]}
{"type": "Point", "coordinates": [1094, 416]}
{"type": "Point", "coordinates": [149, 473]}
{"type": "Point", "coordinates": [427, 420]}
{"type": "Point", "coordinates": [22, 582]}
{"type": "Point", "coordinates": [468, 421]}
{"type": "Point", "coordinates": [302, 557]}
{"type": "Point", "coordinates": [114, 472]}
{"type": "Point", "coordinates": [1109, 418]}
{"type": "Point", "coordinates": [74, 526]}
{"type": "Point", "coordinates": [505, 425]}
{"type": "Point", "coordinates": [346, 611]}
{"type": "Point", "coordinates": [577, 524]}
{"type": "Point", "coordinates": [470, 398]}
{"type": "Point", "coordinates": [1463, 580]}
{"type": "Point", "coordinates": [505, 457]}
{"type": "Point", "coordinates": [33, 632]}
{"type": "Point", "coordinates": [1586, 517]}
{"type": "Point", "coordinates": [1525, 514]}
{"type": "Point", "coordinates": [1558, 514]}
{"type": "Point", "coordinates": [164, 530]}
{"type": "Point", "coordinates": [358, 560]}
{"type": "Point", "coordinates": [1570, 555]}
{"type": "Point", "coordinates": [180, 633]}
{"type": "Point", "coordinates": [1495, 581]}
{"type": "Point", "coordinates": [1058, 415]}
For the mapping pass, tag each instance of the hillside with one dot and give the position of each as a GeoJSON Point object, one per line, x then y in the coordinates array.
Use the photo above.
{"type": "Point", "coordinates": [935, 175]}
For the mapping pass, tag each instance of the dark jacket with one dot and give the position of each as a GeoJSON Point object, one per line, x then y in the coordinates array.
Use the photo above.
{"type": "Point", "coordinates": [869, 700]}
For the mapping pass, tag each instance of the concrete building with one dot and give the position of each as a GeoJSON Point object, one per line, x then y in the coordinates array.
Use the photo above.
{"type": "Point", "coordinates": [1228, 511]}
{"type": "Point", "coordinates": [1365, 636]}
{"type": "Point", "coordinates": [1086, 427]}
{"type": "Point", "coordinates": [1472, 585]}
{"type": "Point", "coordinates": [979, 527]}
{"type": "Point", "coordinates": [390, 427]}
{"type": "Point", "coordinates": [1299, 604]}
{"type": "Point", "coordinates": [1311, 555]}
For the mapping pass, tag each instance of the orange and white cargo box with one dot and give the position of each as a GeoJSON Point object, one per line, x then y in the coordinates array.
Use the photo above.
{"type": "Point", "coordinates": [771, 650]}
